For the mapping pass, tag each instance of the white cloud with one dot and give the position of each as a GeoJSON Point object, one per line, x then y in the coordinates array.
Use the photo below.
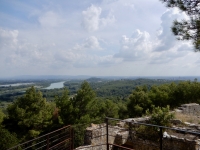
{"type": "Point", "coordinates": [119, 4]}
{"type": "Point", "coordinates": [109, 60]}
{"type": "Point", "coordinates": [165, 57]}
{"type": "Point", "coordinates": [92, 20]}
{"type": "Point", "coordinates": [26, 54]}
{"type": "Point", "coordinates": [49, 39]}
{"type": "Point", "coordinates": [50, 19]}
{"type": "Point", "coordinates": [136, 47]}
{"type": "Point", "coordinates": [84, 60]}
{"type": "Point", "coordinates": [163, 48]}
{"type": "Point", "coordinates": [91, 43]}
{"type": "Point", "coordinates": [167, 48]}
{"type": "Point", "coordinates": [166, 39]}
{"type": "Point", "coordinates": [66, 56]}
{"type": "Point", "coordinates": [8, 39]}
{"type": "Point", "coordinates": [18, 53]}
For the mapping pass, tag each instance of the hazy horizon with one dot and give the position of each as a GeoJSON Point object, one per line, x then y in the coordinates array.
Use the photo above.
{"type": "Point", "coordinates": [65, 77]}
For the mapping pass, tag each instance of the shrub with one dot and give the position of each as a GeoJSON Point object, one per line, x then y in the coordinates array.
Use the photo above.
{"type": "Point", "coordinates": [160, 116]}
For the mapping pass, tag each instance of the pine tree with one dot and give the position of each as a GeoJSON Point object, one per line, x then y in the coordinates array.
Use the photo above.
{"type": "Point", "coordinates": [187, 29]}
{"type": "Point", "coordinates": [65, 108]}
{"type": "Point", "coordinates": [29, 115]}
{"type": "Point", "coordinates": [84, 104]}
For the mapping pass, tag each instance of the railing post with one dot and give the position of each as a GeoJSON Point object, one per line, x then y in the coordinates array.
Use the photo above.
{"type": "Point", "coordinates": [72, 137]}
{"type": "Point", "coordinates": [130, 131]}
{"type": "Point", "coordinates": [161, 138]}
{"type": "Point", "coordinates": [107, 144]}
{"type": "Point", "coordinates": [73, 134]}
{"type": "Point", "coordinates": [47, 142]}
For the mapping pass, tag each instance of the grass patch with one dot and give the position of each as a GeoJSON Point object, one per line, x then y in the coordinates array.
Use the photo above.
{"type": "Point", "coordinates": [187, 118]}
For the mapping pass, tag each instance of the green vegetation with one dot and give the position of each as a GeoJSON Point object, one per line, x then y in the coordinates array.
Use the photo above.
{"type": "Point", "coordinates": [8, 140]}
{"type": "Point", "coordinates": [172, 94]}
{"type": "Point", "coordinates": [9, 93]}
{"type": "Point", "coordinates": [114, 90]}
{"type": "Point", "coordinates": [121, 89]}
{"type": "Point", "coordinates": [187, 29]}
{"type": "Point", "coordinates": [160, 116]}
{"type": "Point", "coordinates": [29, 115]}
{"type": "Point", "coordinates": [32, 114]}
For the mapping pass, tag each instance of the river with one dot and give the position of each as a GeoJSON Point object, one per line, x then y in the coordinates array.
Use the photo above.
{"type": "Point", "coordinates": [56, 85]}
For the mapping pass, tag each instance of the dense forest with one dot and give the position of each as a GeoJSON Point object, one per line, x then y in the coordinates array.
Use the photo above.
{"type": "Point", "coordinates": [82, 102]}
{"type": "Point", "coordinates": [104, 88]}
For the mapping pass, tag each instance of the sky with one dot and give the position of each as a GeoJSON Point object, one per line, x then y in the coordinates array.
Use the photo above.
{"type": "Point", "coordinates": [92, 37]}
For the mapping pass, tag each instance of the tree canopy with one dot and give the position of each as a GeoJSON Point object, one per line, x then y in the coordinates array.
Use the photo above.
{"type": "Point", "coordinates": [84, 104]}
{"type": "Point", "coordinates": [29, 114]}
{"type": "Point", "coordinates": [7, 139]}
{"type": "Point", "coordinates": [187, 29]}
{"type": "Point", "coordinates": [64, 104]}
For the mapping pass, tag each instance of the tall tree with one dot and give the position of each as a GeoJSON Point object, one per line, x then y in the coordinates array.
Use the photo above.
{"type": "Point", "coordinates": [187, 29]}
{"type": "Point", "coordinates": [65, 108]}
{"type": "Point", "coordinates": [84, 104]}
{"type": "Point", "coordinates": [108, 109]}
{"type": "Point", "coordinates": [85, 110]}
{"type": "Point", "coordinates": [160, 95]}
{"type": "Point", "coordinates": [29, 115]}
{"type": "Point", "coordinates": [139, 102]}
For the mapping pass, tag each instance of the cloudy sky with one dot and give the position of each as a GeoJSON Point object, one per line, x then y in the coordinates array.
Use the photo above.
{"type": "Point", "coordinates": [92, 37]}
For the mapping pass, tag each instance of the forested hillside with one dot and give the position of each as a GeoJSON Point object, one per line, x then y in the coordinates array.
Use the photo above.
{"type": "Point", "coordinates": [32, 114]}
{"type": "Point", "coordinates": [104, 88]}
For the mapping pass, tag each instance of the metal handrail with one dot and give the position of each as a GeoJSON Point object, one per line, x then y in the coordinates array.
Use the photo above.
{"type": "Point", "coordinates": [45, 135]}
{"type": "Point", "coordinates": [150, 125]}
{"type": "Point", "coordinates": [68, 135]}
{"type": "Point", "coordinates": [153, 125]}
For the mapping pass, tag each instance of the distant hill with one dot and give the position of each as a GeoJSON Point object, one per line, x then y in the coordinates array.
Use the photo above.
{"type": "Point", "coordinates": [95, 78]}
{"type": "Point", "coordinates": [46, 77]}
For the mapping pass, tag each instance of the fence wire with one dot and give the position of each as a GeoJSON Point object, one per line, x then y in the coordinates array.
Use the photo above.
{"type": "Point", "coordinates": [58, 139]}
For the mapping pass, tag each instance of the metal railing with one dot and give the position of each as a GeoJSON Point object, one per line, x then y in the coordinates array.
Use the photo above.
{"type": "Point", "coordinates": [144, 134]}
{"type": "Point", "coordinates": [134, 135]}
{"type": "Point", "coordinates": [57, 140]}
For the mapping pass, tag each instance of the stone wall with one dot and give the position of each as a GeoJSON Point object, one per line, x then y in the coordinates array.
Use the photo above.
{"type": "Point", "coordinates": [175, 143]}
{"type": "Point", "coordinates": [95, 138]}
{"type": "Point", "coordinates": [96, 135]}
{"type": "Point", "coordinates": [189, 109]}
